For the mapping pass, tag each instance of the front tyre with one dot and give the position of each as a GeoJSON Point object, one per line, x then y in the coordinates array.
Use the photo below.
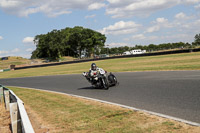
{"type": "Point", "coordinates": [105, 83]}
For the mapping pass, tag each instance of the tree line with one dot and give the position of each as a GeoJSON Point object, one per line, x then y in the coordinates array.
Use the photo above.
{"type": "Point", "coordinates": [148, 48]}
{"type": "Point", "coordinates": [80, 41]}
{"type": "Point", "coordinates": [153, 47]}
{"type": "Point", "coordinates": [68, 42]}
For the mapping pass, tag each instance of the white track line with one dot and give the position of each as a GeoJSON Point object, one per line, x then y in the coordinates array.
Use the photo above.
{"type": "Point", "coordinates": [124, 106]}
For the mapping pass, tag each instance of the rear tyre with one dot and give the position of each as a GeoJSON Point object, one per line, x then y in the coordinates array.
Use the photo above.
{"type": "Point", "coordinates": [112, 79]}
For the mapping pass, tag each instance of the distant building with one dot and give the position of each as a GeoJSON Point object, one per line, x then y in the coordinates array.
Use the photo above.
{"type": "Point", "coordinates": [135, 51]}
{"type": "Point", "coordinates": [4, 58]}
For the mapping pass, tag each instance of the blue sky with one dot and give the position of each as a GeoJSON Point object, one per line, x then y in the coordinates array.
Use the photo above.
{"type": "Point", "coordinates": [124, 22]}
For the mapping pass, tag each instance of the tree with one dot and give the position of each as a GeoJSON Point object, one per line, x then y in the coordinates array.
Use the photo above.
{"type": "Point", "coordinates": [197, 39]}
{"type": "Point", "coordinates": [152, 47]}
{"type": "Point", "coordinates": [68, 42]}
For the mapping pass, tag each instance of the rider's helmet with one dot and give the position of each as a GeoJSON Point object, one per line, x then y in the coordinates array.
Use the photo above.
{"type": "Point", "coordinates": [93, 66]}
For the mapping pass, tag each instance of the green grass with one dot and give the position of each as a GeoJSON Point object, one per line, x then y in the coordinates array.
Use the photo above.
{"type": "Point", "coordinates": [186, 61]}
{"type": "Point", "coordinates": [69, 114]}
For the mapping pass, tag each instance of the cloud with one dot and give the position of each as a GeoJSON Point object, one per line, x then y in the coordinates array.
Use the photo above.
{"type": "Point", "coordinates": [28, 56]}
{"type": "Point", "coordinates": [15, 50]}
{"type": "Point", "coordinates": [4, 52]}
{"type": "Point", "coordinates": [28, 40]}
{"type": "Point", "coordinates": [9, 52]}
{"type": "Point", "coordinates": [29, 50]}
{"type": "Point", "coordinates": [191, 26]}
{"type": "Point", "coordinates": [153, 29]}
{"type": "Point", "coordinates": [197, 6]}
{"type": "Point", "coordinates": [90, 16]}
{"type": "Point", "coordinates": [182, 28]}
{"type": "Point", "coordinates": [9, 3]}
{"type": "Point", "coordinates": [115, 8]}
{"type": "Point", "coordinates": [141, 38]}
{"type": "Point", "coordinates": [95, 6]}
{"type": "Point", "coordinates": [190, 1]}
{"type": "Point", "coordinates": [180, 37]}
{"type": "Point", "coordinates": [137, 7]}
{"type": "Point", "coordinates": [161, 20]}
{"type": "Point", "coordinates": [121, 27]}
{"type": "Point", "coordinates": [113, 44]}
{"type": "Point", "coordinates": [1, 38]}
{"type": "Point", "coordinates": [158, 24]}
{"type": "Point", "coordinates": [186, 24]}
{"type": "Point", "coordinates": [180, 15]}
{"type": "Point", "coordinates": [52, 8]}
{"type": "Point", "coordinates": [130, 8]}
{"type": "Point", "coordinates": [138, 36]}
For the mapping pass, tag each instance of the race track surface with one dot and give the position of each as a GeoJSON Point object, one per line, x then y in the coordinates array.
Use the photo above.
{"type": "Point", "coordinates": [173, 93]}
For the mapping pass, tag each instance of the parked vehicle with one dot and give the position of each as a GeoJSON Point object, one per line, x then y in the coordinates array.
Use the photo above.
{"type": "Point", "coordinates": [136, 51]}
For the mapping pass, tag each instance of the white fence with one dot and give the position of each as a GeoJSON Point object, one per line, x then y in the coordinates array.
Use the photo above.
{"type": "Point", "coordinates": [20, 122]}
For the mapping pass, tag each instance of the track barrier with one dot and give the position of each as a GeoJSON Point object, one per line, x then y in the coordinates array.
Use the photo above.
{"type": "Point", "coordinates": [4, 70]}
{"type": "Point", "coordinates": [20, 122]}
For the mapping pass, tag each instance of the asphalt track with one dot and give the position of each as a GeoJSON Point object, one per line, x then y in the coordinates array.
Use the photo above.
{"type": "Point", "coordinates": [173, 93]}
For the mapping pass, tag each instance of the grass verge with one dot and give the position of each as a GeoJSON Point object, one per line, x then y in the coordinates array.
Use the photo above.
{"type": "Point", "coordinates": [4, 120]}
{"type": "Point", "coordinates": [62, 113]}
{"type": "Point", "coordinates": [20, 62]}
{"type": "Point", "coordinates": [185, 61]}
{"type": "Point", "coordinates": [5, 64]}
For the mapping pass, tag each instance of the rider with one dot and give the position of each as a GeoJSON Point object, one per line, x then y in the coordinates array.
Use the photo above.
{"type": "Point", "coordinates": [93, 72]}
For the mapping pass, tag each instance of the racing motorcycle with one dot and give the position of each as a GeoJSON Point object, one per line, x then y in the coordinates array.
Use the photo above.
{"type": "Point", "coordinates": [101, 80]}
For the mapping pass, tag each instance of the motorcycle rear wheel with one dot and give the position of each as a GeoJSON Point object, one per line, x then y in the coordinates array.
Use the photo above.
{"type": "Point", "coordinates": [112, 80]}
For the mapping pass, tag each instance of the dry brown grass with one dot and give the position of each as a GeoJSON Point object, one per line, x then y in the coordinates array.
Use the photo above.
{"type": "Point", "coordinates": [38, 124]}
{"type": "Point", "coordinates": [62, 113]}
{"type": "Point", "coordinates": [20, 62]}
{"type": "Point", "coordinates": [5, 64]}
{"type": "Point", "coordinates": [4, 120]}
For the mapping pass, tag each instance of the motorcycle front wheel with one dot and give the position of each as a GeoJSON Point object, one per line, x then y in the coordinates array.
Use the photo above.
{"type": "Point", "coordinates": [105, 83]}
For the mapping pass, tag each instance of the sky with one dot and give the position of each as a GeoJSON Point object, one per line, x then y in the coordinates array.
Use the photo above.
{"type": "Point", "coordinates": [124, 22]}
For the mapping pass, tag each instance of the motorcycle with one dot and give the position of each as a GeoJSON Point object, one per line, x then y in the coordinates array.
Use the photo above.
{"type": "Point", "coordinates": [101, 80]}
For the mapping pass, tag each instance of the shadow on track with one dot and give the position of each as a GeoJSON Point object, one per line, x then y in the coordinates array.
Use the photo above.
{"type": "Point", "coordinates": [90, 88]}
